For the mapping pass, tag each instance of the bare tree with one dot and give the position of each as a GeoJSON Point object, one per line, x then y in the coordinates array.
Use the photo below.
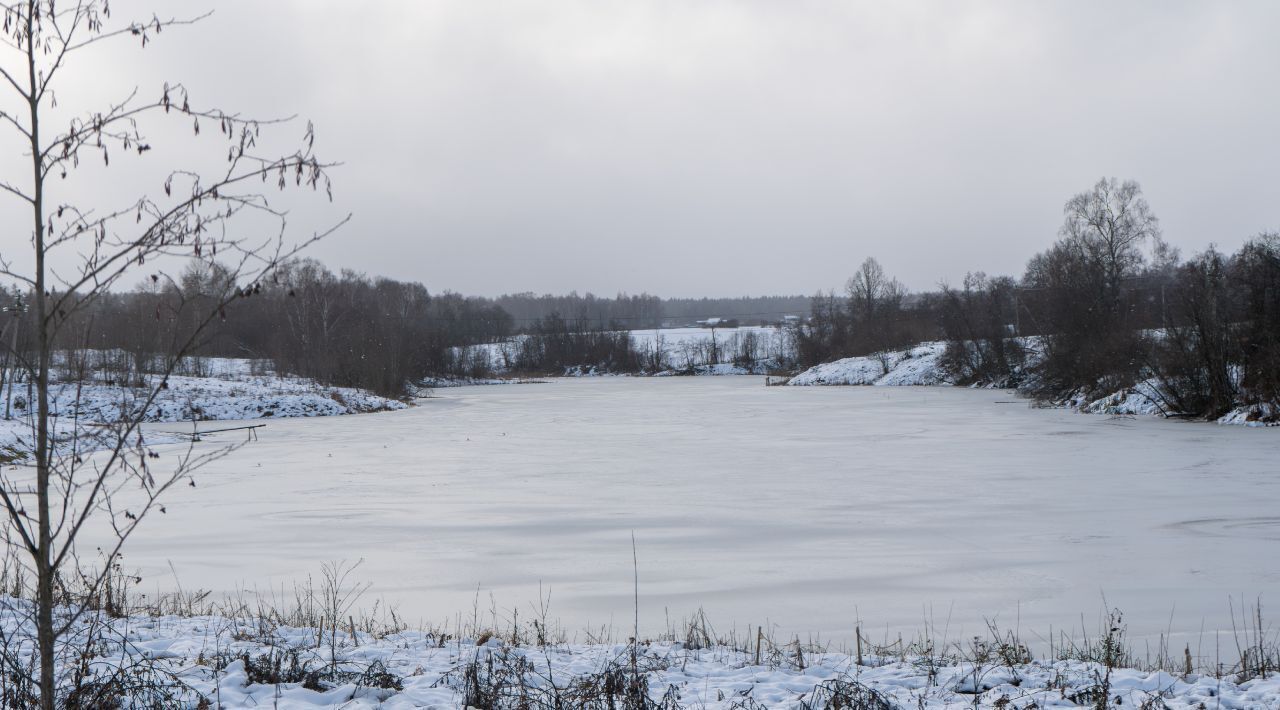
{"type": "Point", "coordinates": [1111, 223]}
{"type": "Point", "coordinates": [1085, 294]}
{"type": "Point", "coordinates": [976, 323]}
{"type": "Point", "coordinates": [871, 291]}
{"type": "Point", "coordinates": [51, 502]}
{"type": "Point", "coordinates": [1257, 270]}
{"type": "Point", "coordinates": [875, 300]}
{"type": "Point", "coordinates": [1196, 359]}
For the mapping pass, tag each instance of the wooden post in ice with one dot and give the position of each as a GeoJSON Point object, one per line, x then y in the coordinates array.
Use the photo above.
{"type": "Point", "coordinates": [857, 634]}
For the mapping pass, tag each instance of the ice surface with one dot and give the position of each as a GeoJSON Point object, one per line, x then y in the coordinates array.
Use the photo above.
{"type": "Point", "coordinates": [804, 507]}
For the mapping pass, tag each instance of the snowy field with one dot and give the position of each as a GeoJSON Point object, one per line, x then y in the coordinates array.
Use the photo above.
{"type": "Point", "coordinates": [222, 662]}
{"type": "Point", "coordinates": [676, 339]}
{"type": "Point", "coordinates": [684, 347]}
{"type": "Point", "coordinates": [803, 509]}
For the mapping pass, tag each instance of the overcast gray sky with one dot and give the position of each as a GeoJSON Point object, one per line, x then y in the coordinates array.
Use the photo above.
{"type": "Point", "coordinates": [707, 147]}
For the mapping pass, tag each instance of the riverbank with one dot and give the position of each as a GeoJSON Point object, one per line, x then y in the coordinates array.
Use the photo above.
{"type": "Point", "coordinates": [196, 660]}
{"type": "Point", "coordinates": [923, 365]}
{"type": "Point", "coordinates": [228, 389]}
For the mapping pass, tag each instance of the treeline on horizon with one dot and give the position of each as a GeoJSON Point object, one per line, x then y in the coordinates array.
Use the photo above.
{"type": "Point", "coordinates": [1104, 307]}
{"type": "Point", "coordinates": [351, 330]}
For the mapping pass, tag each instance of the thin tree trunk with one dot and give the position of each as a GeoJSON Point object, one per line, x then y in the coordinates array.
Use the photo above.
{"type": "Point", "coordinates": [44, 557]}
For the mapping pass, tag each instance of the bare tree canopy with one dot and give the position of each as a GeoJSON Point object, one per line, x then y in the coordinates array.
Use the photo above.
{"type": "Point", "coordinates": [189, 214]}
{"type": "Point", "coordinates": [870, 290]}
{"type": "Point", "coordinates": [1111, 223]}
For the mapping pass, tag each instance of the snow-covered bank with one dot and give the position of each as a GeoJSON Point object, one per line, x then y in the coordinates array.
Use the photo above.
{"type": "Point", "coordinates": [229, 393]}
{"type": "Point", "coordinates": [1144, 399]}
{"type": "Point", "coordinates": [207, 399]}
{"type": "Point", "coordinates": [922, 365]}
{"type": "Point", "coordinates": [229, 663]}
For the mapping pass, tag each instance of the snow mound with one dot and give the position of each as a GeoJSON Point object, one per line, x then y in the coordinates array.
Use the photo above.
{"type": "Point", "coordinates": [1261, 414]}
{"type": "Point", "coordinates": [921, 365]}
{"type": "Point", "coordinates": [14, 440]}
{"type": "Point", "coordinates": [1142, 399]}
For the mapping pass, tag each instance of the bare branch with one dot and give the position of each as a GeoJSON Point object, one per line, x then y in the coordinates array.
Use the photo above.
{"type": "Point", "coordinates": [16, 192]}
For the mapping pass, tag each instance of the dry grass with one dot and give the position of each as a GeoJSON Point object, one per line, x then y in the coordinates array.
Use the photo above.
{"type": "Point", "coordinates": [489, 674]}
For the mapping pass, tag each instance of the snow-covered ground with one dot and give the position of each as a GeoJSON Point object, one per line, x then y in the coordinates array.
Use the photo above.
{"type": "Point", "coordinates": [685, 345]}
{"type": "Point", "coordinates": [229, 391]}
{"type": "Point", "coordinates": [207, 660]}
{"type": "Point", "coordinates": [1144, 400]}
{"type": "Point", "coordinates": [918, 366]}
{"type": "Point", "coordinates": [922, 365]}
{"type": "Point", "coordinates": [804, 507]}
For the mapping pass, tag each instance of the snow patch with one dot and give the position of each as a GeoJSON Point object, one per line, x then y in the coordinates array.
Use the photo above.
{"type": "Point", "coordinates": [1261, 414]}
{"type": "Point", "coordinates": [921, 365]}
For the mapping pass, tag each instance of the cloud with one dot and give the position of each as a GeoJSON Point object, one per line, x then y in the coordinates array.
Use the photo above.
{"type": "Point", "coordinates": [716, 148]}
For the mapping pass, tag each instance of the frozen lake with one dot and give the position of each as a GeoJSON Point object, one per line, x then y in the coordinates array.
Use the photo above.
{"type": "Point", "coordinates": [806, 508]}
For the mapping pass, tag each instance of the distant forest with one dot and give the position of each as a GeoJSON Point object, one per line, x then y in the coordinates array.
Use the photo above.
{"type": "Point", "coordinates": [348, 329]}
{"type": "Point", "coordinates": [1107, 305]}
